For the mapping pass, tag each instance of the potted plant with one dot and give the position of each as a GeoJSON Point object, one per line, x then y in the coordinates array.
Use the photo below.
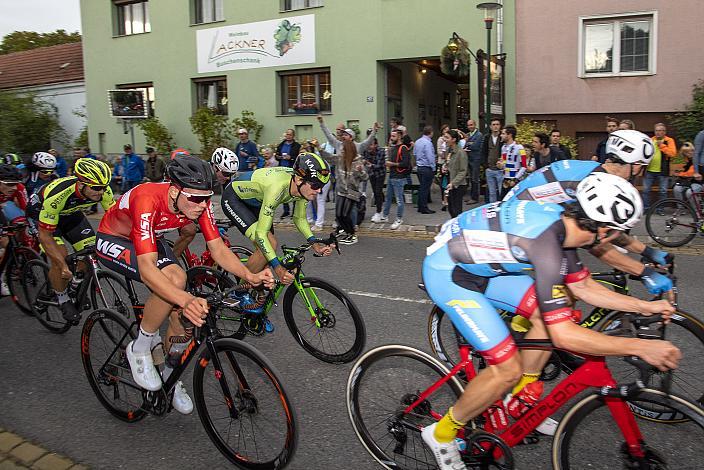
{"type": "Point", "coordinates": [305, 108]}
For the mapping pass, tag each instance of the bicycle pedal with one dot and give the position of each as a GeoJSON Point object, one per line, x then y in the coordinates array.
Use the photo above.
{"type": "Point", "coordinates": [268, 326]}
{"type": "Point", "coordinates": [158, 354]}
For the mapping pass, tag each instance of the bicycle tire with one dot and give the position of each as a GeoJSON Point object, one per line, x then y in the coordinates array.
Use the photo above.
{"type": "Point", "coordinates": [688, 378]}
{"type": "Point", "coordinates": [15, 281]}
{"type": "Point", "coordinates": [329, 320]}
{"type": "Point", "coordinates": [203, 280]}
{"type": "Point", "coordinates": [111, 363]}
{"type": "Point", "coordinates": [409, 372]}
{"type": "Point", "coordinates": [249, 403]}
{"type": "Point", "coordinates": [659, 227]}
{"type": "Point", "coordinates": [600, 432]}
{"type": "Point", "coordinates": [45, 306]}
{"type": "Point", "coordinates": [113, 289]}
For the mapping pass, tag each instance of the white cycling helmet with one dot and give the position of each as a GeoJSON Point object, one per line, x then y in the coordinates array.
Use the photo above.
{"type": "Point", "coordinates": [224, 159]}
{"type": "Point", "coordinates": [610, 199]}
{"type": "Point", "coordinates": [43, 160]}
{"type": "Point", "coordinates": [630, 146]}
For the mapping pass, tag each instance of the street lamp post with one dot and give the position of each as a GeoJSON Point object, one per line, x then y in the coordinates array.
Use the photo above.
{"type": "Point", "coordinates": [489, 11]}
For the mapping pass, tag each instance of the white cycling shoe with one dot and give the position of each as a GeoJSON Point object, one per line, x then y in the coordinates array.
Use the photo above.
{"type": "Point", "coordinates": [447, 454]}
{"type": "Point", "coordinates": [181, 401]}
{"type": "Point", "coordinates": [143, 370]}
{"type": "Point", "coordinates": [548, 427]}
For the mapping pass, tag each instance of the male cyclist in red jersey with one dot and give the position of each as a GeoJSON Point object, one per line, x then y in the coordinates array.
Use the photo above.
{"type": "Point", "coordinates": [13, 202]}
{"type": "Point", "coordinates": [128, 244]}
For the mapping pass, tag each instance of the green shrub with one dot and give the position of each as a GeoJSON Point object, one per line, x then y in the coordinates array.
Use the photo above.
{"type": "Point", "coordinates": [157, 135]}
{"type": "Point", "coordinates": [527, 129]}
{"type": "Point", "coordinates": [249, 122]}
{"type": "Point", "coordinates": [213, 130]}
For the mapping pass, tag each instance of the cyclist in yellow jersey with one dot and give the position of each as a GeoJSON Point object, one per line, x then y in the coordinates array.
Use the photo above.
{"type": "Point", "coordinates": [58, 208]}
{"type": "Point", "coordinates": [252, 198]}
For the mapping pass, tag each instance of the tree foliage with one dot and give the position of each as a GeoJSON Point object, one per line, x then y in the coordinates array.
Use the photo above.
{"type": "Point", "coordinates": [213, 130]}
{"type": "Point", "coordinates": [691, 121]}
{"type": "Point", "coordinates": [157, 135]}
{"type": "Point", "coordinates": [26, 40]}
{"type": "Point", "coordinates": [249, 122]}
{"type": "Point", "coordinates": [28, 124]}
{"type": "Point", "coordinates": [527, 129]}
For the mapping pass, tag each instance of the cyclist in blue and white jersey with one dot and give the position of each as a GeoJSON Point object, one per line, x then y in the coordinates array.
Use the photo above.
{"type": "Point", "coordinates": [627, 153]}
{"type": "Point", "coordinates": [477, 264]}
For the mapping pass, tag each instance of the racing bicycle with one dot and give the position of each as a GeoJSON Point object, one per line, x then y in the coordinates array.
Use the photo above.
{"type": "Point", "coordinates": [394, 391]}
{"type": "Point", "coordinates": [674, 222]}
{"type": "Point", "coordinates": [17, 254]}
{"type": "Point", "coordinates": [319, 315]}
{"type": "Point", "coordinates": [240, 399]}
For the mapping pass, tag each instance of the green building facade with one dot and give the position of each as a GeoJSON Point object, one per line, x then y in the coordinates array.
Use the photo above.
{"type": "Point", "coordinates": [356, 62]}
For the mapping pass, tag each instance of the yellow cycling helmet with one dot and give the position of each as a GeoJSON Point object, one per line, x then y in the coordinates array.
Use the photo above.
{"type": "Point", "coordinates": [92, 171]}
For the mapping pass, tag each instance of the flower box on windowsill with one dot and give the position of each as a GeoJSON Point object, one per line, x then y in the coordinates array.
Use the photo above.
{"type": "Point", "coordinates": [306, 111]}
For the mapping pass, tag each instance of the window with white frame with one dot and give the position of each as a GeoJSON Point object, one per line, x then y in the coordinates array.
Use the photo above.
{"type": "Point", "coordinates": [211, 93]}
{"type": "Point", "coordinates": [207, 11]}
{"type": "Point", "coordinates": [306, 92]}
{"type": "Point", "coordinates": [132, 17]}
{"type": "Point", "coordinates": [289, 5]}
{"type": "Point", "coordinates": [147, 87]}
{"type": "Point", "coordinates": [622, 45]}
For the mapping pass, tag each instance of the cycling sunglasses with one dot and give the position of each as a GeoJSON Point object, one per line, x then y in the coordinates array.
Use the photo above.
{"type": "Point", "coordinates": [197, 198]}
{"type": "Point", "coordinates": [97, 187]}
{"type": "Point", "coordinates": [10, 183]}
{"type": "Point", "coordinates": [316, 185]}
{"type": "Point", "coordinates": [226, 174]}
{"type": "Point", "coordinates": [46, 172]}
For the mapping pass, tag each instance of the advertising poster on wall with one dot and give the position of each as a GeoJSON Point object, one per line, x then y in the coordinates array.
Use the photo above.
{"type": "Point", "coordinates": [272, 43]}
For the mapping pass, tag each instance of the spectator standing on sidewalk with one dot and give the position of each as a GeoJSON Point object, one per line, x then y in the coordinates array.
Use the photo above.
{"type": "Point", "coordinates": [441, 168]}
{"type": "Point", "coordinates": [350, 174]}
{"type": "Point", "coordinates": [514, 159]}
{"type": "Point", "coordinates": [473, 149]}
{"type": "Point", "coordinates": [398, 161]}
{"type": "Point", "coordinates": [543, 153]}
{"type": "Point", "coordinates": [315, 212]}
{"type": "Point", "coordinates": [424, 151]}
{"type": "Point", "coordinates": [133, 166]}
{"type": "Point", "coordinates": [627, 125]}
{"type": "Point", "coordinates": [155, 166]}
{"type": "Point", "coordinates": [600, 152]}
{"type": "Point", "coordinates": [555, 136]}
{"type": "Point", "coordinates": [286, 153]}
{"type": "Point", "coordinates": [61, 164]}
{"type": "Point", "coordinates": [659, 167]}
{"type": "Point", "coordinates": [247, 151]}
{"type": "Point", "coordinates": [491, 151]}
{"type": "Point", "coordinates": [375, 161]}
{"type": "Point", "coordinates": [457, 166]}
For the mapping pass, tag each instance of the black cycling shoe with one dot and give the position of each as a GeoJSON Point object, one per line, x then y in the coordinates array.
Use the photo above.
{"type": "Point", "coordinates": [70, 313]}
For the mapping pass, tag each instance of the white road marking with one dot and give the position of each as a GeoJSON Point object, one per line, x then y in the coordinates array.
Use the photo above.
{"type": "Point", "coordinates": [388, 297]}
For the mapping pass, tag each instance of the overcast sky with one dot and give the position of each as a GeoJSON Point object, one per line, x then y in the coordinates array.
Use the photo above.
{"type": "Point", "coordinates": [39, 15]}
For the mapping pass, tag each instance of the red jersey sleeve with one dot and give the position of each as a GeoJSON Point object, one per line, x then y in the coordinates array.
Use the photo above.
{"type": "Point", "coordinates": [206, 221]}
{"type": "Point", "coordinates": [143, 213]}
{"type": "Point", "coordinates": [20, 197]}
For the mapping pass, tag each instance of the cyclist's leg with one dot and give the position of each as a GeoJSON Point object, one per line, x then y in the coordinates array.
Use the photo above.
{"type": "Point", "coordinates": [77, 230]}
{"type": "Point", "coordinates": [257, 261]}
{"type": "Point", "coordinates": [475, 317]}
{"type": "Point", "coordinates": [186, 236]}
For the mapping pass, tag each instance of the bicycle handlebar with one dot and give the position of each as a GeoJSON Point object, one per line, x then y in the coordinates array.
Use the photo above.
{"type": "Point", "coordinates": [299, 250]}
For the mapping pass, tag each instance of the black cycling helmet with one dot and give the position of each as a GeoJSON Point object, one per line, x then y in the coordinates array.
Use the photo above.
{"type": "Point", "coordinates": [9, 174]}
{"type": "Point", "coordinates": [312, 167]}
{"type": "Point", "coordinates": [190, 172]}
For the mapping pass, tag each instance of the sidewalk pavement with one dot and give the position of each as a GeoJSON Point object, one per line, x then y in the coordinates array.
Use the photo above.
{"type": "Point", "coordinates": [18, 453]}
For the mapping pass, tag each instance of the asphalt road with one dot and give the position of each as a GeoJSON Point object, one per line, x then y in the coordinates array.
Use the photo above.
{"type": "Point", "coordinates": [45, 397]}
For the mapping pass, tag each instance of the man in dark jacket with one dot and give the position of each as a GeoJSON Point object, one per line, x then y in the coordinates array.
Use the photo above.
{"type": "Point", "coordinates": [473, 147]}
{"type": "Point", "coordinates": [600, 152]}
{"type": "Point", "coordinates": [399, 165]}
{"type": "Point", "coordinates": [543, 153]}
{"type": "Point", "coordinates": [555, 136]}
{"type": "Point", "coordinates": [286, 154]}
{"type": "Point", "coordinates": [491, 152]}
{"type": "Point", "coordinates": [155, 166]}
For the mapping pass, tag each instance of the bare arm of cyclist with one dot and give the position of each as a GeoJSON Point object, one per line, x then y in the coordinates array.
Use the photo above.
{"type": "Point", "coordinates": [53, 251]}
{"type": "Point", "coordinates": [231, 263]}
{"type": "Point", "coordinates": [593, 293]}
{"type": "Point", "coordinates": [607, 253]}
{"type": "Point", "coordinates": [162, 286]}
{"type": "Point", "coordinates": [569, 335]}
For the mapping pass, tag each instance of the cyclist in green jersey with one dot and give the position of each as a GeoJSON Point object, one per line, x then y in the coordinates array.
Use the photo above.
{"type": "Point", "coordinates": [252, 198]}
{"type": "Point", "coordinates": [59, 206]}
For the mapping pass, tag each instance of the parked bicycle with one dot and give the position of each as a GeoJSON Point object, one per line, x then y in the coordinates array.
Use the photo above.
{"type": "Point", "coordinates": [685, 330]}
{"type": "Point", "coordinates": [673, 222]}
{"type": "Point", "coordinates": [17, 254]}
{"type": "Point", "coordinates": [240, 400]}
{"type": "Point", "coordinates": [320, 316]}
{"type": "Point", "coordinates": [97, 288]}
{"type": "Point", "coordinates": [394, 391]}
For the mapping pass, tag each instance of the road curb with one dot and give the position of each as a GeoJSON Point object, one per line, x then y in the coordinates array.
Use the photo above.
{"type": "Point", "coordinates": [19, 453]}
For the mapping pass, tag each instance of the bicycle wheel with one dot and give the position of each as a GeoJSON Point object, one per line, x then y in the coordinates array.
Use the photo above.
{"type": "Point", "coordinates": [15, 280]}
{"type": "Point", "coordinates": [243, 406]}
{"type": "Point", "coordinates": [687, 333]}
{"type": "Point", "coordinates": [111, 293]}
{"type": "Point", "coordinates": [588, 436]}
{"type": "Point", "coordinates": [201, 281]}
{"type": "Point", "coordinates": [381, 385]}
{"type": "Point", "coordinates": [44, 304]}
{"type": "Point", "coordinates": [104, 337]}
{"type": "Point", "coordinates": [338, 333]}
{"type": "Point", "coordinates": [671, 222]}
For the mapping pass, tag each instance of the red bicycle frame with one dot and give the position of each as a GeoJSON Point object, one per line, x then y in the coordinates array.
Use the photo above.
{"type": "Point", "coordinates": [593, 373]}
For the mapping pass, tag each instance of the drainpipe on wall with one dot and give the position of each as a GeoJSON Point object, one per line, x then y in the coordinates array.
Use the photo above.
{"type": "Point", "coordinates": [500, 30]}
